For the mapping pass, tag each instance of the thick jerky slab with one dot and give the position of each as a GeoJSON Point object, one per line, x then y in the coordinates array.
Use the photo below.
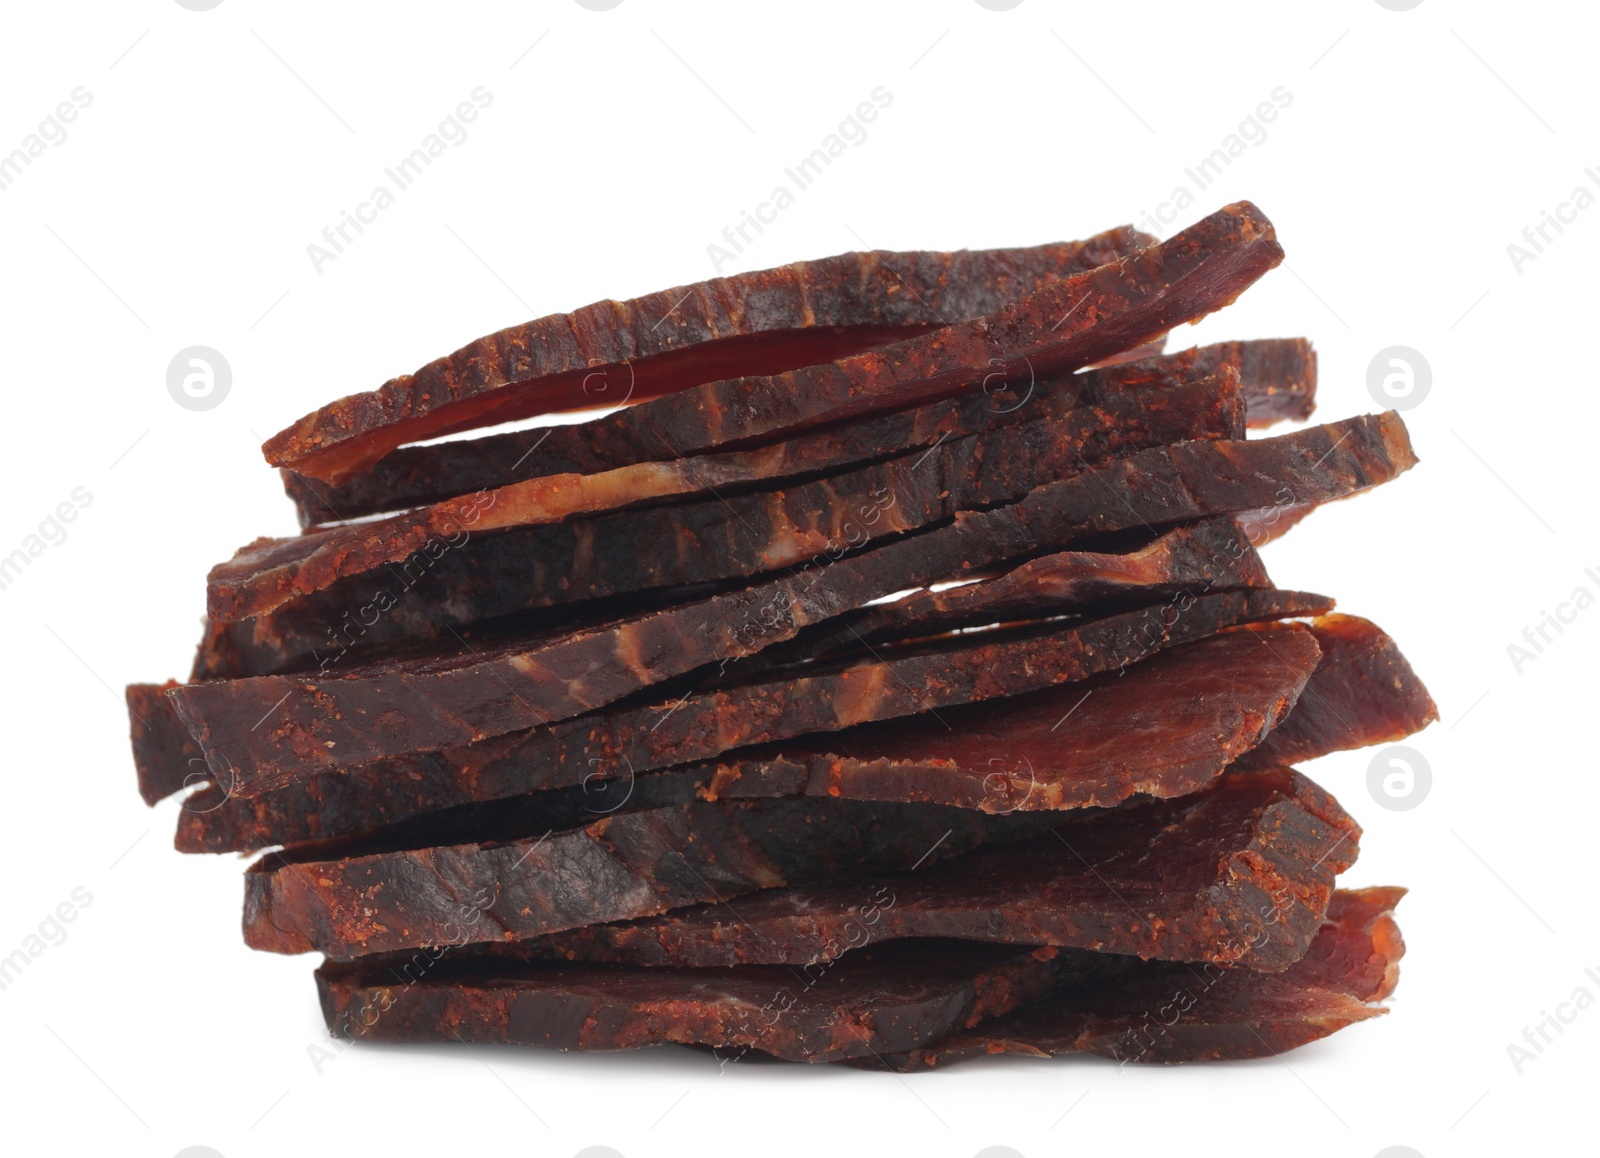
{"type": "Point", "coordinates": [980, 469]}
{"type": "Point", "coordinates": [345, 901]}
{"type": "Point", "coordinates": [1240, 872]}
{"type": "Point", "coordinates": [268, 730]}
{"type": "Point", "coordinates": [887, 999]}
{"type": "Point", "coordinates": [1363, 692]}
{"type": "Point", "coordinates": [1210, 555]}
{"type": "Point", "coordinates": [630, 739]}
{"type": "Point", "coordinates": [1269, 371]}
{"type": "Point", "coordinates": [1163, 727]}
{"type": "Point", "coordinates": [611, 352]}
{"type": "Point", "coordinates": [164, 754]}
{"type": "Point", "coordinates": [1067, 325]}
{"type": "Point", "coordinates": [1150, 1011]}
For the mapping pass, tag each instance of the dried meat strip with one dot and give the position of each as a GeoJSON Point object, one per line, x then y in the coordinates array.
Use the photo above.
{"type": "Point", "coordinates": [887, 999]}
{"type": "Point", "coordinates": [627, 740]}
{"type": "Point", "coordinates": [266, 731]}
{"type": "Point", "coordinates": [927, 486]}
{"type": "Point", "coordinates": [1240, 872]}
{"type": "Point", "coordinates": [1162, 1012]}
{"type": "Point", "coordinates": [345, 901]}
{"type": "Point", "coordinates": [1270, 372]}
{"type": "Point", "coordinates": [165, 756]}
{"type": "Point", "coordinates": [754, 323]}
{"type": "Point", "coordinates": [1363, 692]}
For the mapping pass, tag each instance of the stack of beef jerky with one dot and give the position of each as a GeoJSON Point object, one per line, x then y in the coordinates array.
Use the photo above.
{"type": "Point", "coordinates": [888, 676]}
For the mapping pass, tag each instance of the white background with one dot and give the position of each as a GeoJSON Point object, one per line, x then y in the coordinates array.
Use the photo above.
{"type": "Point", "coordinates": [218, 144]}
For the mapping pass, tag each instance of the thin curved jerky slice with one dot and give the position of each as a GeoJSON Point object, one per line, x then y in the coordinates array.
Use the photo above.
{"type": "Point", "coordinates": [1209, 555]}
{"type": "Point", "coordinates": [609, 352]}
{"type": "Point", "coordinates": [345, 901]}
{"type": "Point", "coordinates": [1363, 692]}
{"type": "Point", "coordinates": [885, 999]}
{"type": "Point", "coordinates": [165, 756]}
{"type": "Point", "coordinates": [631, 739]}
{"type": "Point", "coordinates": [1162, 1012]}
{"type": "Point", "coordinates": [1015, 459]}
{"type": "Point", "coordinates": [1269, 523]}
{"type": "Point", "coordinates": [412, 476]}
{"type": "Point", "coordinates": [269, 730]}
{"type": "Point", "coordinates": [1064, 326]}
{"type": "Point", "coordinates": [1240, 872]}
{"type": "Point", "coordinates": [1164, 727]}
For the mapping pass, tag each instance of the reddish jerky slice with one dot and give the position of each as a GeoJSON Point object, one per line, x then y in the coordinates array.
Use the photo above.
{"type": "Point", "coordinates": [1210, 555]}
{"type": "Point", "coordinates": [610, 352]}
{"type": "Point", "coordinates": [626, 740]}
{"type": "Point", "coordinates": [1363, 692]}
{"type": "Point", "coordinates": [269, 730]}
{"type": "Point", "coordinates": [1239, 872]}
{"type": "Point", "coordinates": [413, 476]}
{"type": "Point", "coordinates": [1163, 727]}
{"type": "Point", "coordinates": [1162, 1012]}
{"type": "Point", "coordinates": [1269, 523]}
{"type": "Point", "coordinates": [1015, 459]}
{"type": "Point", "coordinates": [165, 756]}
{"type": "Point", "coordinates": [1066, 325]}
{"type": "Point", "coordinates": [896, 997]}
{"type": "Point", "coordinates": [346, 901]}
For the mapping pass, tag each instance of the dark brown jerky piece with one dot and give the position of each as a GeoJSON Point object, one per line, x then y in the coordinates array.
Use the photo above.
{"type": "Point", "coordinates": [1163, 727]}
{"type": "Point", "coordinates": [1210, 555]}
{"type": "Point", "coordinates": [1240, 872]}
{"type": "Point", "coordinates": [1162, 1012]}
{"type": "Point", "coordinates": [933, 484]}
{"type": "Point", "coordinates": [1269, 523]}
{"type": "Point", "coordinates": [626, 740]}
{"type": "Point", "coordinates": [1269, 371]}
{"type": "Point", "coordinates": [892, 998]}
{"type": "Point", "coordinates": [345, 901]}
{"type": "Point", "coordinates": [164, 754]}
{"type": "Point", "coordinates": [270, 730]}
{"type": "Point", "coordinates": [1363, 692]}
{"type": "Point", "coordinates": [609, 352]}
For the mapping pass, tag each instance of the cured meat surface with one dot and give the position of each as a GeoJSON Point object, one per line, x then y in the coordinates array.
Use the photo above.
{"type": "Point", "coordinates": [1162, 1012]}
{"type": "Point", "coordinates": [607, 353]}
{"type": "Point", "coordinates": [1363, 693]}
{"type": "Point", "coordinates": [269, 729]}
{"type": "Point", "coordinates": [1240, 872]}
{"type": "Point", "coordinates": [912, 490]}
{"type": "Point", "coordinates": [887, 999]}
{"type": "Point", "coordinates": [1277, 377]}
{"type": "Point", "coordinates": [165, 756]}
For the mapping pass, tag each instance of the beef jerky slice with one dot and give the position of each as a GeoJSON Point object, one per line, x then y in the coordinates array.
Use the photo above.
{"type": "Point", "coordinates": [268, 572]}
{"type": "Point", "coordinates": [1363, 692]}
{"type": "Point", "coordinates": [612, 352]}
{"type": "Point", "coordinates": [1239, 872]}
{"type": "Point", "coordinates": [891, 998]}
{"type": "Point", "coordinates": [1151, 1011]}
{"type": "Point", "coordinates": [630, 739]}
{"type": "Point", "coordinates": [346, 901]}
{"type": "Point", "coordinates": [1270, 371]}
{"type": "Point", "coordinates": [1066, 325]}
{"type": "Point", "coordinates": [268, 730]}
{"type": "Point", "coordinates": [165, 756]}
